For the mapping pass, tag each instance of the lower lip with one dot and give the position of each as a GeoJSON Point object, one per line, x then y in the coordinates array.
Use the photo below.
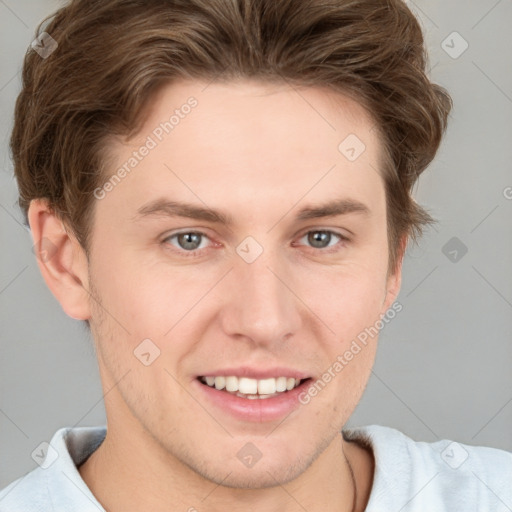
{"type": "Point", "coordinates": [258, 410]}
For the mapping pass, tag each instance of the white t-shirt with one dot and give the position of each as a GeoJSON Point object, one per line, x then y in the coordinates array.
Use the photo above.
{"type": "Point", "coordinates": [410, 476]}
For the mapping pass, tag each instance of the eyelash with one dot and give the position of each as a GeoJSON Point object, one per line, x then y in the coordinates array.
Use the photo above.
{"type": "Point", "coordinates": [198, 252]}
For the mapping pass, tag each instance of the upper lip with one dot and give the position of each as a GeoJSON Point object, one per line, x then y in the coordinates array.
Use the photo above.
{"type": "Point", "coordinates": [257, 373]}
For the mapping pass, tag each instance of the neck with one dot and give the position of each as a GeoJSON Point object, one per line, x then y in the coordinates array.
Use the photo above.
{"type": "Point", "coordinates": [133, 472]}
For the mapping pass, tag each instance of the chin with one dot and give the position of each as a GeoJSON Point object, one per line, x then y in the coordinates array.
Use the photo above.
{"type": "Point", "coordinates": [271, 467]}
{"type": "Point", "coordinates": [260, 476]}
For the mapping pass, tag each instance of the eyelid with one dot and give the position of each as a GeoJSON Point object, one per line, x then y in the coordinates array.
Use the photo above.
{"type": "Point", "coordinates": [334, 231]}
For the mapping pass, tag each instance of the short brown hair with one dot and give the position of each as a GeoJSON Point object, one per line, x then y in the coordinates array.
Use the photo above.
{"type": "Point", "coordinates": [113, 55]}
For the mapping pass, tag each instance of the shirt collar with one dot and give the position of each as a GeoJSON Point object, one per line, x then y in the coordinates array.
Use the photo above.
{"type": "Point", "coordinates": [70, 447]}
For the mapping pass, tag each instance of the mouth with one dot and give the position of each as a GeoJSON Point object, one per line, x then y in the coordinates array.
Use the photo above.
{"type": "Point", "coordinates": [252, 389]}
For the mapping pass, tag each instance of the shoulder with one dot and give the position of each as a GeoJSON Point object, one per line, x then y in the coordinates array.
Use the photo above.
{"type": "Point", "coordinates": [56, 483]}
{"type": "Point", "coordinates": [28, 493]}
{"type": "Point", "coordinates": [442, 475]}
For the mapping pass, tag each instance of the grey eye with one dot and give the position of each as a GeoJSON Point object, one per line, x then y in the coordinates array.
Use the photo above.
{"type": "Point", "coordinates": [188, 240]}
{"type": "Point", "coordinates": [320, 239]}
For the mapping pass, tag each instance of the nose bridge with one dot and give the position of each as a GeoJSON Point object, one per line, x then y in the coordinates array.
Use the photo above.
{"type": "Point", "coordinates": [261, 305]}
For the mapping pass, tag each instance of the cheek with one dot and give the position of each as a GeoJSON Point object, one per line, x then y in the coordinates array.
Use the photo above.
{"type": "Point", "coordinates": [347, 299]}
{"type": "Point", "coordinates": [351, 310]}
{"type": "Point", "coordinates": [138, 293]}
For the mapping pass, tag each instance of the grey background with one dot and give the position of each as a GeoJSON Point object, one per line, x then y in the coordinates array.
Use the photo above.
{"type": "Point", "coordinates": [443, 369]}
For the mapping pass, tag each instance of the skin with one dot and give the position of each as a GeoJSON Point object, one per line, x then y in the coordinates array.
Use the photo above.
{"type": "Point", "coordinates": [260, 153]}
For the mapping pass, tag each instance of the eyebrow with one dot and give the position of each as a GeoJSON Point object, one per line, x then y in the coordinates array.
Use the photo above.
{"type": "Point", "coordinates": [166, 208]}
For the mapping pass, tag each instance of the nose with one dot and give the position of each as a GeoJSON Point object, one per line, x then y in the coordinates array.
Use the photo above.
{"type": "Point", "coordinates": [260, 304]}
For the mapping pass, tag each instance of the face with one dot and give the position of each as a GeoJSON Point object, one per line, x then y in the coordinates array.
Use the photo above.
{"type": "Point", "coordinates": [266, 287]}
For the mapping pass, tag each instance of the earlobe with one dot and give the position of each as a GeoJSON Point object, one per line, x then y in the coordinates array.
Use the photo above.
{"type": "Point", "coordinates": [393, 288]}
{"type": "Point", "coordinates": [60, 259]}
{"type": "Point", "coordinates": [394, 280]}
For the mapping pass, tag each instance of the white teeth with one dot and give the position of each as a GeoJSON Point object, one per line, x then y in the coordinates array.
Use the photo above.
{"type": "Point", "coordinates": [247, 386]}
{"type": "Point", "coordinates": [253, 397]}
{"type": "Point", "coordinates": [281, 384]}
{"type": "Point", "coordinates": [231, 383]}
{"type": "Point", "coordinates": [220, 382]}
{"type": "Point", "coordinates": [267, 386]}
{"type": "Point", "coordinates": [252, 388]}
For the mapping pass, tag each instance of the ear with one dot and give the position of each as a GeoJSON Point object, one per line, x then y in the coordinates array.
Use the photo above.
{"type": "Point", "coordinates": [61, 260]}
{"type": "Point", "coordinates": [394, 279]}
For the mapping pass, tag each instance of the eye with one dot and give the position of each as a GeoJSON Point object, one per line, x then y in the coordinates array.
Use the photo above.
{"type": "Point", "coordinates": [321, 239]}
{"type": "Point", "coordinates": [188, 241]}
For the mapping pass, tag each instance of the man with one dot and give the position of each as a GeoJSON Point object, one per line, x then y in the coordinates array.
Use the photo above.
{"type": "Point", "coordinates": [222, 190]}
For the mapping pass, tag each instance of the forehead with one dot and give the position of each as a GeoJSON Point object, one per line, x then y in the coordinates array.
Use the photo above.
{"type": "Point", "coordinates": [257, 141]}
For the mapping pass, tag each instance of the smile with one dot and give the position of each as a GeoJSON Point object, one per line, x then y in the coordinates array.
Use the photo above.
{"type": "Point", "coordinates": [246, 387]}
